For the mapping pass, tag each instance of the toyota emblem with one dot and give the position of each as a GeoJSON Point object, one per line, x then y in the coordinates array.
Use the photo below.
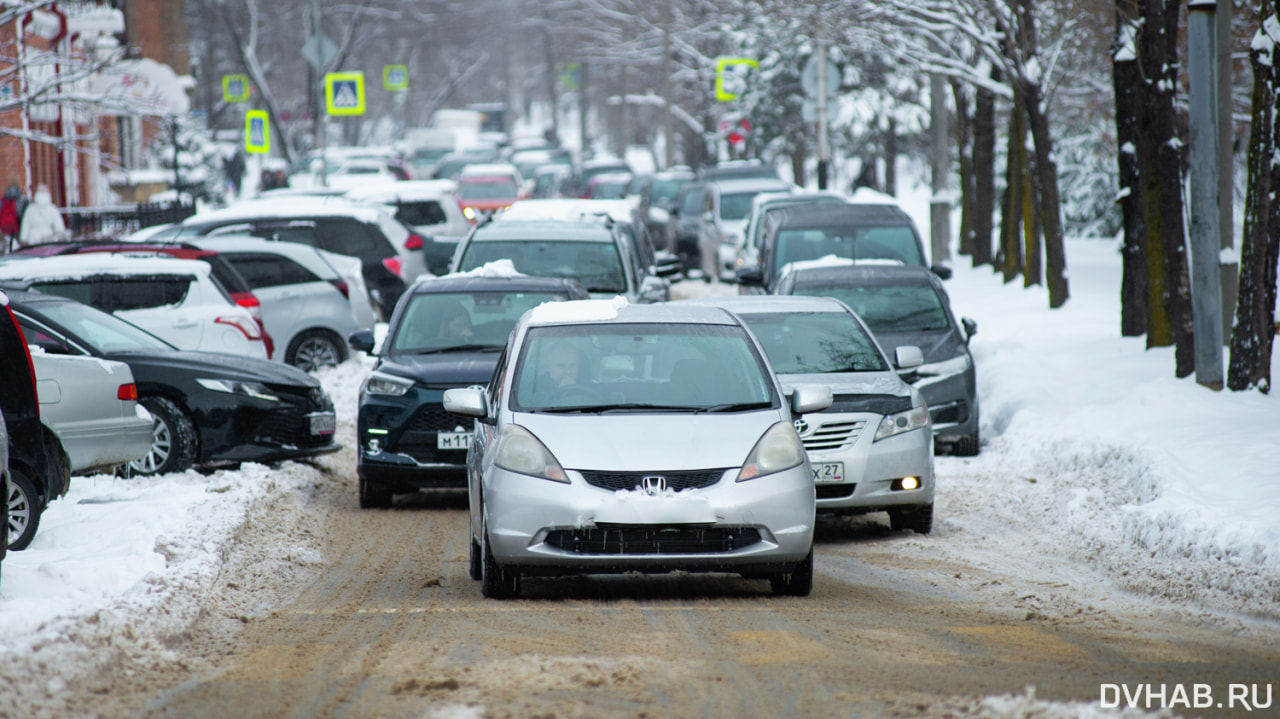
{"type": "Point", "coordinates": [801, 426]}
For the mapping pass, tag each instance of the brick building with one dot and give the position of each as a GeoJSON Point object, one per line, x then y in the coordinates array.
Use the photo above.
{"type": "Point", "coordinates": [71, 127]}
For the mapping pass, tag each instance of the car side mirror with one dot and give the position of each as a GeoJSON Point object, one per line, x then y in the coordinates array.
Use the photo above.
{"type": "Point", "coordinates": [810, 398]}
{"type": "Point", "coordinates": [361, 341]}
{"type": "Point", "coordinates": [466, 401]}
{"type": "Point", "coordinates": [750, 276]}
{"type": "Point", "coordinates": [659, 216]}
{"type": "Point", "coordinates": [908, 357]}
{"type": "Point", "coordinates": [970, 328]}
{"type": "Point", "coordinates": [941, 271]}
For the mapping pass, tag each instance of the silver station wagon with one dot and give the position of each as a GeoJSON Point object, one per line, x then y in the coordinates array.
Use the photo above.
{"type": "Point", "coordinates": [647, 438]}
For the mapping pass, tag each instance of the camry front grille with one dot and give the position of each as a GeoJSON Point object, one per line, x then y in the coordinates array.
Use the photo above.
{"type": "Point", "coordinates": [678, 480]}
{"type": "Point", "coordinates": [653, 540]}
{"type": "Point", "coordinates": [832, 435]}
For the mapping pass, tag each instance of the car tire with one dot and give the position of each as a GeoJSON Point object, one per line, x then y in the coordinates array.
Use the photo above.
{"type": "Point", "coordinates": [966, 446]}
{"type": "Point", "coordinates": [173, 444]}
{"type": "Point", "coordinates": [917, 519]}
{"type": "Point", "coordinates": [314, 349]}
{"type": "Point", "coordinates": [796, 583]}
{"type": "Point", "coordinates": [25, 509]}
{"type": "Point", "coordinates": [495, 582]}
{"type": "Point", "coordinates": [473, 563]}
{"type": "Point", "coordinates": [374, 496]}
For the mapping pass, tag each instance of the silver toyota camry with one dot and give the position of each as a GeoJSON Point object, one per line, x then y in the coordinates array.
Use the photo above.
{"type": "Point", "coordinates": [872, 449]}
{"type": "Point", "coordinates": [647, 438]}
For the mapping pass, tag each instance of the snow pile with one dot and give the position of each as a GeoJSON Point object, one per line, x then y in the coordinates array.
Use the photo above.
{"type": "Point", "coordinates": [577, 311]}
{"type": "Point", "coordinates": [497, 269]}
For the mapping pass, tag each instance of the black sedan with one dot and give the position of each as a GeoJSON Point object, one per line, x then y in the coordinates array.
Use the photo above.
{"type": "Point", "coordinates": [209, 408]}
{"type": "Point", "coordinates": [446, 332]}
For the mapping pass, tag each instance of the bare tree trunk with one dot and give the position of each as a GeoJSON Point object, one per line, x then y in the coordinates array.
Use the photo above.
{"type": "Point", "coordinates": [964, 135]}
{"type": "Point", "coordinates": [1160, 180]}
{"type": "Point", "coordinates": [1032, 231]}
{"type": "Point", "coordinates": [891, 158]}
{"type": "Point", "coordinates": [1253, 336]}
{"type": "Point", "coordinates": [1050, 203]}
{"type": "Point", "coordinates": [984, 174]}
{"type": "Point", "coordinates": [1127, 77]}
{"type": "Point", "coordinates": [1015, 166]}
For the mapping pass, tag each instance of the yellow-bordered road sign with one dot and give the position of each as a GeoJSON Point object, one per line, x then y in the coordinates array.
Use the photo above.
{"type": "Point", "coordinates": [344, 93]}
{"type": "Point", "coordinates": [736, 67]}
{"type": "Point", "coordinates": [395, 77]}
{"type": "Point", "coordinates": [235, 88]}
{"type": "Point", "coordinates": [257, 132]}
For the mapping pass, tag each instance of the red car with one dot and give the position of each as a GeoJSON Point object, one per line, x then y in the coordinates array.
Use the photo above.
{"type": "Point", "coordinates": [486, 189]}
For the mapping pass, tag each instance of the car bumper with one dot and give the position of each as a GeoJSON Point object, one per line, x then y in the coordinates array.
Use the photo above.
{"type": "Point", "coordinates": [953, 405]}
{"type": "Point", "coordinates": [401, 470]}
{"type": "Point", "coordinates": [542, 526]}
{"type": "Point", "coordinates": [873, 470]}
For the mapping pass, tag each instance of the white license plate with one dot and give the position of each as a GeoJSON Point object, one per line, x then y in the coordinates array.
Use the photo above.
{"type": "Point", "coordinates": [453, 440]}
{"type": "Point", "coordinates": [824, 472]}
{"type": "Point", "coordinates": [323, 422]}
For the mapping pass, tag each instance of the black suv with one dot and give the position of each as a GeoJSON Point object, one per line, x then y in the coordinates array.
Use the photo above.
{"type": "Point", "coordinates": [446, 332]}
{"type": "Point", "coordinates": [38, 470]}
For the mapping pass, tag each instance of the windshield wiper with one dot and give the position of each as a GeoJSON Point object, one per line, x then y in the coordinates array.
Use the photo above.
{"type": "Point", "coordinates": [458, 348]}
{"type": "Point", "coordinates": [619, 406]}
{"type": "Point", "coordinates": [735, 407]}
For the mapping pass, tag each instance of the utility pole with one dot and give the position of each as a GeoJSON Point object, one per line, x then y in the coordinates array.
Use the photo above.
{"type": "Point", "coordinates": [322, 110]}
{"type": "Point", "coordinates": [940, 204]}
{"type": "Point", "coordinates": [668, 127]}
{"type": "Point", "coordinates": [1226, 168]}
{"type": "Point", "coordinates": [1206, 288]}
{"type": "Point", "coordinates": [824, 145]}
{"type": "Point", "coordinates": [583, 134]}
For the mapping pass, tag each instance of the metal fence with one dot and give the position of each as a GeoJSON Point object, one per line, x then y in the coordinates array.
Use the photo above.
{"type": "Point", "coordinates": [121, 220]}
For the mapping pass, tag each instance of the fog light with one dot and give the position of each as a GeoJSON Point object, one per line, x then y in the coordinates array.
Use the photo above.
{"type": "Point", "coordinates": [375, 446]}
{"type": "Point", "coordinates": [908, 483]}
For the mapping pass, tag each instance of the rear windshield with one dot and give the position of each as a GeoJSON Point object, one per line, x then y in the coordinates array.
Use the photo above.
{"type": "Point", "coordinates": [889, 309]}
{"type": "Point", "coordinates": [815, 342]}
{"type": "Point", "coordinates": [736, 206]}
{"type": "Point", "coordinates": [495, 189]}
{"type": "Point", "coordinates": [440, 321]}
{"type": "Point", "coordinates": [641, 368]}
{"type": "Point", "coordinates": [665, 190]}
{"type": "Point", "coordinates": [896, 245]}
{"type": "Point", "coordinates": [420, 212]}
{"type": "Point", "coordinates": [595, 264]}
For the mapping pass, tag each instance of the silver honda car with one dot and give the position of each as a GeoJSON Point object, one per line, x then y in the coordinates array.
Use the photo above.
{"type": "Point", "coordinates": [647, 438]}
{"type": "Point", "coordinates": [872, 449]}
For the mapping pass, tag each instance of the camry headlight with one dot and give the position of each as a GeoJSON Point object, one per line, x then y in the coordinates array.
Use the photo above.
{"type": "Point", "coordinates": [386, 384]}
{"type": "Point", "coordinates": [517, 450]}
{"type": "Point", "coordinates": [257, 390]}
{"type": "Point", "coordinates": [779, 448]}
{"type": "Point", "coordinates": [892, 424]}
{"type": "Point", "coordinates": [955, 365]}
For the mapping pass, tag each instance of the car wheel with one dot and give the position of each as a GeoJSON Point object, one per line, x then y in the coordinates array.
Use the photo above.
{"type": "Point", "coordinates": [495, 582]}
{"type": "Point", "coordinates": [917, 519]}
{"type": "Point", "coordinates": [173, 439]}
{"type": "Point", "coordinates": [314, 349]}
{"type": "Point", "coordinates": [473, 565]}
{"type": "Point", "coordinates": [796, 583]}
{"type": "Point", "coordinates": [24, 509]}
{"type": "Point", "coordinates": [966, 446]}
{"type": "Point", "coordinates": [374, 496]}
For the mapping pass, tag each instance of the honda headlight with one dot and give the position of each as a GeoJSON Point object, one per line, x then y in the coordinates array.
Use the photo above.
{"type": "Point", "coordinates": [387, 385]}
{"type": "Point", "coordinates": [257, 390]}
{"type": "Point", "coordinates": [779, 448]}
{"type": "Point", "coordinates": [517, 450]}
{"type": "Point", "coordinates": [892, 424]}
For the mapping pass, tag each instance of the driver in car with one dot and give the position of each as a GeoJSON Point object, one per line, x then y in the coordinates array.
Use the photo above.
{"type": "Point", "coordinates": [562, 366]}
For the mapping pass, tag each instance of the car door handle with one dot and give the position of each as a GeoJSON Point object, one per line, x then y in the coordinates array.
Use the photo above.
{"type": "Point", "coordinates": [184, 322]}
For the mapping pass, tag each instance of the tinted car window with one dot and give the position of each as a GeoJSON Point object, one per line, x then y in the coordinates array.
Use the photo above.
{"type": "Point", "coordinates": [141, 293]}
{"type": "Point", "coordinates": [422, 212]}
{"type": "Point", "coordinates": [815, 342]}
{"type": "Point", "coordinates": [889, 309]}
{"type": "Point", "coordinates": [78, 290]}
{"type": "Point", "coordinates": [736, 206]}
{"type": "Point", "coordinates": [495, 189]}
{"type": "Point", "coordinates": [595, 264]}
{"type": "Point", "coordinates": [349, 237]}
{"type": "Point", "coordinates": [263, 270]}
{"type": "Point", "coordinates": [434, 320]}
{"type": "Point", "coordinates": [897, 244]}
{"type": "Point", "coordinates": [691, 202]}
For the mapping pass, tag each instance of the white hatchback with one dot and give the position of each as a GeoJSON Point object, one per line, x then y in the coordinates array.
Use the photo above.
{"type": "Point", "coordinates": [176, 300]}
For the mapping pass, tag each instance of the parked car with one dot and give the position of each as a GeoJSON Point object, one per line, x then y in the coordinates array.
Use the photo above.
{"type": "Point", "coordinates": [38, 471]}
{"type": "Point", "coordinates": [597, 166]}
{"type": "Point", "coordinates": [429, 208]}
{"type": "Point", "coordinates": [552, 181]}
{"type": "Point", "coordinates": [91, 404]}
{"type": "Point", "coordinates": [608, 186]}
{"type": "Point", "coordinates": [748, 248]}
{"type": "Point", "coordinates": [175, 299]}
{"type": "Point", "coordinates": [593, 252]}
{"type": "Point", "coordinates": [646, 438]}
{"type": "Point", "coordinates": [389, 251]}
{"type": "Point", "coordinates": [880, 234]}
{"type": "Point", "coordinates": [305, 301]}
{"type": "Point", "coordinates": [207, 408]}
{"type": "Point", "coordinates": [726, 204]}
{"type": "Point", "coordinates": [486, 188]}
{"type": "Point", "coordinates": [657, 198]}
{"type": "Point", "coordinates": [750, 169]}
{"type": "Point", "coordinates": [684, 225]}
{"type": "Point", "coordinates": [910, 306]}
{"type": "Point", "coordinates": [357, 172]}
{"type": "Point", "coordinates": [446, 332]}
{"type": "Point", "coordinates": [872, 449]}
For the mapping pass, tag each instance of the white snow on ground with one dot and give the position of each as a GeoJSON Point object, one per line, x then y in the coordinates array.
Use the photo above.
{"type": "Point", "coordinates": [1092, 450]}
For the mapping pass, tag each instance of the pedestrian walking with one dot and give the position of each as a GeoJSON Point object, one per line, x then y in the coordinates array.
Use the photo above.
{"type": "Point", "coordinates": [11, 208]}
{"type": "Point", "coordinates": [42, 222]}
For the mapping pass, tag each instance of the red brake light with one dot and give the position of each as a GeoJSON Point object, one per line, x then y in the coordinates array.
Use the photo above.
{"type": "Point", "coordinates": [247, 300]}
{"type": "Point", "coordinates": [251, 330]}
{"type": "Point", "coordinates": [415, 242]}
{"type": "Point", "coordinates": [393, 264]}
{"type": "Point", "coordinates": [342, 287]}
{"type": "Point", "coordinates": [128, 392]}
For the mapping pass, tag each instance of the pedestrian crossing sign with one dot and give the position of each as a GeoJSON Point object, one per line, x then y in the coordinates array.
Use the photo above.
{"type": "Point", "coordinates": [257, 132]}
{"type": "Point", "coordinates": [344, 93]}
{"type": "Point", "coordinates": [235, 88]}
{"type": "Point", "coordinates": [395, 77]}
